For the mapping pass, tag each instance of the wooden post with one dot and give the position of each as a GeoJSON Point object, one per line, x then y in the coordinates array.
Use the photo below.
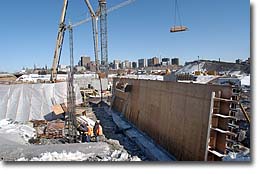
{"type": "Point", "coordinates": [209, 125]}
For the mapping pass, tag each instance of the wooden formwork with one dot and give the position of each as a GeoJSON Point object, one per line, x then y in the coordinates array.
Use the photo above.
{"type": "Point", "coordinates": [176, 115]}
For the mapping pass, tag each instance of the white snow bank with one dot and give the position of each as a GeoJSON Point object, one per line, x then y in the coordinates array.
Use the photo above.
{"type": "Point", "coordinates": [16, 132]}
{"type": "Point", "coordinates": [245, 80]}
{"type": "Point", "coordinates": [232, 156]}
{"type": "Point", "coordinates": [5, 122]}
{"type": "Point", "coordinates": [235, 73]}
{"type": "Point", "coordinates": [144, 77]}
{"type": "Point", "coordinates": [64, 156]}
{"type": "Point", "coordinates": [191, 68]}
{"type": "Point", "coordinates": [205, 79]}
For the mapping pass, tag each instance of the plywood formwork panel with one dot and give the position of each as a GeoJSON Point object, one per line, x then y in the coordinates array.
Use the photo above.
{"type": "Point", "coordinates": [175, 115]}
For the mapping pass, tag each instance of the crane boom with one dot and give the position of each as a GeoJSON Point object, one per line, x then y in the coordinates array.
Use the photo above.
{"type": "Point", "coordinates": [108, 11]}
{"type": "Point", "coordinates": [92, 12]}
{"type": "Point", "coordinates": [62, 27]}
{"type": "Point", "coordinates": [125, 3]}
{"type": "Point", "coordinates": [59, 42]}
{"type": "Point", "coordinates": [95, 32]}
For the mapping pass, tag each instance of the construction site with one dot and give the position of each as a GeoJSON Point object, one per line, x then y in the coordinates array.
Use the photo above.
{"type": "Point", "coordinates": [197, 112]}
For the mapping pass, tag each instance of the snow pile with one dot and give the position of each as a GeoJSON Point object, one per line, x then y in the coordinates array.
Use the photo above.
{"type": "Point", "coordinates": [79, 156]}
{"type": "Point", "coordinates": [235, 73]}
{"type": "Point", "coordinates": [64, 156]}
{"type": "Point", "coordinates": [144, 77]}
{"type": "Point", "coordinates": [205, 79]}
{"type": "Point", "coordinates": [233, 156]}
{"type": "Point", "coordinates": [245, 80]}
{"type": "Point", "coordinates": [191, 68]}
{"type": "Point", "coordinates": [15, 131]}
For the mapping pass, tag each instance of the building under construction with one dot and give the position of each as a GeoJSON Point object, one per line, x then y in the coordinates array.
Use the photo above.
{"type": "Point", "coordinates": [143, 119]}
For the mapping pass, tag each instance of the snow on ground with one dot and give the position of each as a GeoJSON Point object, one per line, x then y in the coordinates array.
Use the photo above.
{"type": "Point", "coordinates": [204, 79]}
{"type": "Point", "coordinates": [233, 156]}
{"type": "Point", "coordinates": [235, 73]}
{"type": "Point", "coordinates": [16, 132]}
{"type": "Point", "coordinates": [245, 80]}
{"type": "Point", "coordinates": [144, 77]}
{"type": "Point", "coordinates": [63, 156]}
{"type": "Point", "coordinates": [191, 68]}
{"type": "Point", "coordinates": [14, 137]}
{"type": "Point", "coordinates": [79, 156]}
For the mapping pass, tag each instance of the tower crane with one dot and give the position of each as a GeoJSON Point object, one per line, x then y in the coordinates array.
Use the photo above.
{"type": "Point", "coordinates": [59, 42]}
{"type": "Point", "coordinates": [102, 13]}
{"type": "Point", "coordinates": [94, 17]}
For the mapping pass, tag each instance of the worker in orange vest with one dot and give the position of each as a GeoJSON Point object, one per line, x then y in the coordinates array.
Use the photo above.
{"type": "Point", "coordinates": [98, 131]}
{"type": "Point", "coordinates": [90, 132]}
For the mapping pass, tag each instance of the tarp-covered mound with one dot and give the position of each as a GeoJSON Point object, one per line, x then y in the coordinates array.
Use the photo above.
{"type": "Point", "coordinates": [23, 102]}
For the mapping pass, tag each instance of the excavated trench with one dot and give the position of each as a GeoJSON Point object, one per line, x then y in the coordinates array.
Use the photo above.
{"type": "Point", "coordinates": [112, 131]}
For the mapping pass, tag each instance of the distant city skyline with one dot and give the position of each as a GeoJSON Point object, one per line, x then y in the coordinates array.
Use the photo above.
{"type": "Point", "coordinates": [119, 61]}
{"type": "Point", "coordinates": [217, 29]}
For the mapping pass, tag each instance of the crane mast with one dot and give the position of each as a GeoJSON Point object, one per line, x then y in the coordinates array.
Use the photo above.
{"type": "Point", "coordinates": [102, 13]}
{"type": "Point", "coordinates": [103, 35]}
{"type": "Point", "coordinates": [94, 17]}
{"type": "Point", "coordinates": [59, 42]}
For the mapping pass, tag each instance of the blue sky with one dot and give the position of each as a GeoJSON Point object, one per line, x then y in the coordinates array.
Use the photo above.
{"type": "Point", "coordinates": [217, 29]}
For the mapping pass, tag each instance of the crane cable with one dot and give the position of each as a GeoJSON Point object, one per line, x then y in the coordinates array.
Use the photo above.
{"type": "Point", "coordinates": [177, 14]}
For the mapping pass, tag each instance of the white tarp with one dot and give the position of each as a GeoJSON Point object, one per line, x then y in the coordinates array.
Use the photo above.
{"type": "Point", "coordinates": [23, 102]}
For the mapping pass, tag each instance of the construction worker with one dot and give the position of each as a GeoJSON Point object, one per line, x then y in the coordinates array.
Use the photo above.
{"type": "Point", "coordinates": [82, 128]}
{"type": "Point", "coordinates": [98, 131]}
{"type": "Point", "coordinates": [89, 133]}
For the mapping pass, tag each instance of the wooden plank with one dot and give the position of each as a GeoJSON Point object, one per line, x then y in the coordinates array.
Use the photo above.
{"type": "Point", "coordinates": [223, 131]}
{"type": "Point", "coordinates": [57, 109]}
{"type": "Point", "coordinates": [178, 29]}
{"type": "Point", "coordinates": [225, 100]}
{"type": "Point", "coordinates": [224, 116]}
{"type": "Point", "coordinates": [209, 124]}
{"type": "Point", "coordinates": [244, 112]}
{"type": "Point", "coordinates": [219, 154]}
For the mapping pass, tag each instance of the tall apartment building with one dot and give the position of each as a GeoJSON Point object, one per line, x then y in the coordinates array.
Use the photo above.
{"type": "Point", "coordinates": [142, 63]}
{"type": "Point", "coordinates": [175, 61]}
{"type": "Point", "coordinates": [116, 64]}
{"type": "Point", "coordinates": [134, 65]}
{"type": "Point", "coordinates": [153, 61]}
{"type": "Point", "coordinates": [85, 61]}
{"type": "Point", "coordinates": [127, 64]}
{"type": "Point", "coordinates": [165, 61]}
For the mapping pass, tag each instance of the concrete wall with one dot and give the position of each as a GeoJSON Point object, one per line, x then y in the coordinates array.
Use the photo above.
{"type": "Point", "coordinates": [175, 115]}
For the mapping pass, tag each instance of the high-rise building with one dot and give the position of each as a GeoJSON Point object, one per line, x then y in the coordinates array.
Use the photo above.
{"type": "Point", "coordinates": [175, 61]}
{"type": "Point", "coordinates": [165, 61]}
{"type": "Point", "coordinates": [142, 63]}
{"type": "Point", "coordinates": [153, 61]}
{"type": "Point", "coordinates": [92, 66]}
{"type": "Point", "coordinates": [134, 65]}
{"type": "Point", "coordinates": [127, 64]}
{"type": "Point", "coordinates": [85, 61]}
{"type": "Point", "coordinates": [116, 64]}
